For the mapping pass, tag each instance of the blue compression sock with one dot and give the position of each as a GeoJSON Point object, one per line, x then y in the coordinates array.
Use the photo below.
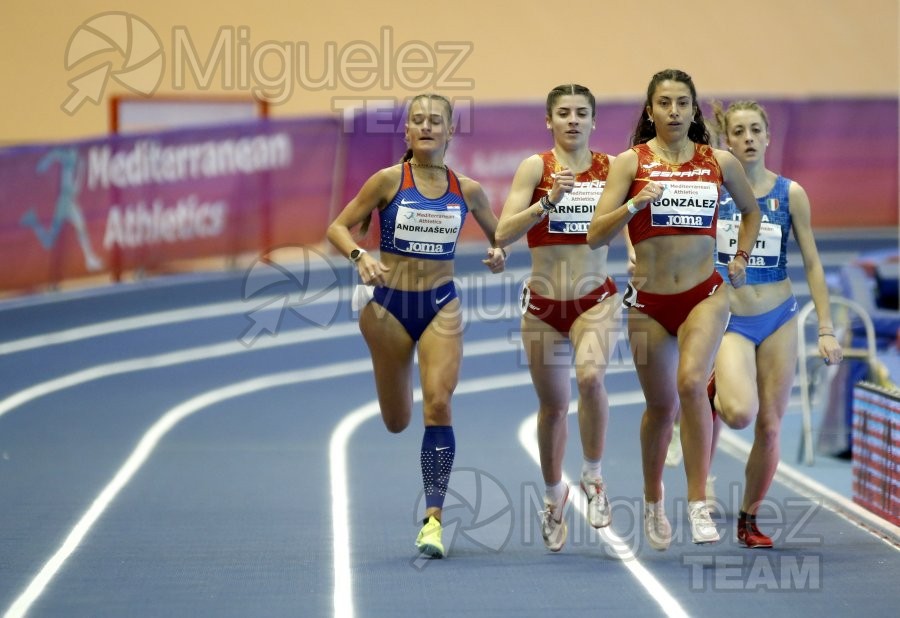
{"type": "Point", "coordinates": [438, 451]}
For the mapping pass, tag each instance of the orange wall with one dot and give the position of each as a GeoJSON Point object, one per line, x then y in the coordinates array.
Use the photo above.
{"type": "Point", "coordinates": [514, 51]}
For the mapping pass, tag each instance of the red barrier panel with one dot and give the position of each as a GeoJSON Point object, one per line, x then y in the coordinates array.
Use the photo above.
{"type": "Point", "coordinates": [876, 450]}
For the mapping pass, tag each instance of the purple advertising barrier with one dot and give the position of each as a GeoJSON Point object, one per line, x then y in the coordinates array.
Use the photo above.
{"type": "Point", "coordinates": [844, 153]}
{"type": "Point", "coordinates": [488, 145]}
{"type": "Point", "coordinates": [819, 143]}
{"type": "Point", "coordinates": [142, 201]}
{"type": "Point", "coordinates": [370, 140]}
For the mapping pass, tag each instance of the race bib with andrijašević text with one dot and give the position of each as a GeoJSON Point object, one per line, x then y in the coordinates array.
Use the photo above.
{"type": "Point", "coordinates": [574, 212]}
{"type": "Point", "coordinates": [685, 204]}
{"type": "Point", "coordinates": [432, 232]}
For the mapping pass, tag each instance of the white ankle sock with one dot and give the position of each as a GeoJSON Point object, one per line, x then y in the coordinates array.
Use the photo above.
{"type": "Point", "coordinates": [555, 493]}
{"type": "Point", "coordinates": [591, 469]}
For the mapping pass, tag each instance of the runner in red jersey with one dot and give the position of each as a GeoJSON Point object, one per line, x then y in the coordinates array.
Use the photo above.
{"type": "Point", "coordinates": [665, 189]}
{"type": "Point", "coordinates": [568, 302]}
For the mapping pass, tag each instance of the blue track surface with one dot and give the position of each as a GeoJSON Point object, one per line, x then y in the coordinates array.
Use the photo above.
{"type": "Point", "coordinates": [210, 446]}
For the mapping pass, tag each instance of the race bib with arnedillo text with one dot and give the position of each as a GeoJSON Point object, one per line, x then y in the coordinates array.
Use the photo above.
{"type": "Point", "coordinates": [574, 212]}
{"type": "Point", "coordinates": [685, 204]}
{"type": "Point", "coordinates": [431, 232]}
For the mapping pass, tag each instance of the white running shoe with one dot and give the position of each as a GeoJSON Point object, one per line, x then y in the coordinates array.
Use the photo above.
{"type": "Point", "coordinates": [703, 530]}
{"type": "Point", "coordinates": [657, 528]}
{"type": "Point", "coordinates": [673, 453]}
{"type": "Point", "coordinates": [599, 514]}
{"type": "Point", "coordinates": [553, 525]}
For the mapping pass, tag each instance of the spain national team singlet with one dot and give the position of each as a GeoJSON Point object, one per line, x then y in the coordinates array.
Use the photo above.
{"type": "Point", "coordinates": [568, 222]}
{"type": "Point", "coordinates": [690, 197]}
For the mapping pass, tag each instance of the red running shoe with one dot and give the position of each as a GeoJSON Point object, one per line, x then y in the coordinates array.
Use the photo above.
{"type": "Point", "coordinates": [750, 536]}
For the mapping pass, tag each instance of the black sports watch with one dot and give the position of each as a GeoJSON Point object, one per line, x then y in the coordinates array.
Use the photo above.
{"type": "Point", "coordinates": [546, 204]}
{"type": "Point", "coordinates": [356, 254]}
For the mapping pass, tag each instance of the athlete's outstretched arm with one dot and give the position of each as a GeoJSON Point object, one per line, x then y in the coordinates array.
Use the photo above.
{"type": "Point", "coordinates": [480, 207]}
{"type": "Point", "coordinates": [735, 180]}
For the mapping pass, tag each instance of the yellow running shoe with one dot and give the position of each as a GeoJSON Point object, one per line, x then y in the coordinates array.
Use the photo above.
{"type": "Point", "coordinates": [429, 540]}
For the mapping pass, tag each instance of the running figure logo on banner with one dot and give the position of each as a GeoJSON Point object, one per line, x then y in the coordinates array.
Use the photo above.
{"type": "Point", "coordinates": [67, 209]}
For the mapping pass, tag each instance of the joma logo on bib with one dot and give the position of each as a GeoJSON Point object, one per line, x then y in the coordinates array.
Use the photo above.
{"type": "Point", "coordinates": [686, 221]}
{"type": "Point", "coordinates": [576, 227]}
{"type": "Point", "coordinates": [425, 247]}
{"type": "Point", "coordinates": [427, 232]}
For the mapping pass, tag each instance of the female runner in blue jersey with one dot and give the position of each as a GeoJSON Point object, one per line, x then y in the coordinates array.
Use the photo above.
{"type": "Point", "coordinates": [422, 206]}
{"type": "Point", "coordinates": [754, 370]}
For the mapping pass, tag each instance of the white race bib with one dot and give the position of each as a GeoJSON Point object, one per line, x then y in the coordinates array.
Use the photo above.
{"type": "Point", "coordinates": [766, 252]}
{"type": "Point", "coordinates": [574, 212]}
{"type": "Point", "coordinates": [432, 232]}
{"type": "Point", "coordinates": [685, 204]}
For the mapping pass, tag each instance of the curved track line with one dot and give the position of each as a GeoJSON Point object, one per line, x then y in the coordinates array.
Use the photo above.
{"type": "Point", "coordinates": [528, 439]}
{"type": "Point", "coordinates": [790, 477]}
{"type": "Point", "coordinates": [145, 448]}
{"type": "Point", "coordinates": [168, 359]}
{"type": "Point", "coordinates": [169, 420]}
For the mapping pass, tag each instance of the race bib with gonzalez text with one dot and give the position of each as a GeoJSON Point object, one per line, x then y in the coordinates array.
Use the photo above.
{"type": "Point", "coordinates": [685, 204]}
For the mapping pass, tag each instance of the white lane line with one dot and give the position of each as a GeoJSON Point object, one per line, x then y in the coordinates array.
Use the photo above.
{"type": "Point", "coordinates": [251, 306]}
{"type": "Point", "coordinates": [121, 325]}
{"type": "Point", "coordinates": [216, 310]}
{"type": "Point", "coordinates": [189, 355]}
{"type": "Point", "coordinates": [340, 439]}
{"type": "Point", "coordinates": [528, 439]}
{"type": "Point", "coordinates": [340, 502]}
{"type": "Point", "coordinates": [790, 477]}
{"type": "Point", "coordinates": [168, 359]}
{"type": "Point", "coordinates": [340, 507]}
{"type": "Point", "coordinates": [166, 422]}
{"type": "Point", "coordinates": [145, 448]}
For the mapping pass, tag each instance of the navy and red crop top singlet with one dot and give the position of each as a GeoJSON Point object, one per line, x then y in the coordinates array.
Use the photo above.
{"type": "Point", "coordinates": [417, 226]}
